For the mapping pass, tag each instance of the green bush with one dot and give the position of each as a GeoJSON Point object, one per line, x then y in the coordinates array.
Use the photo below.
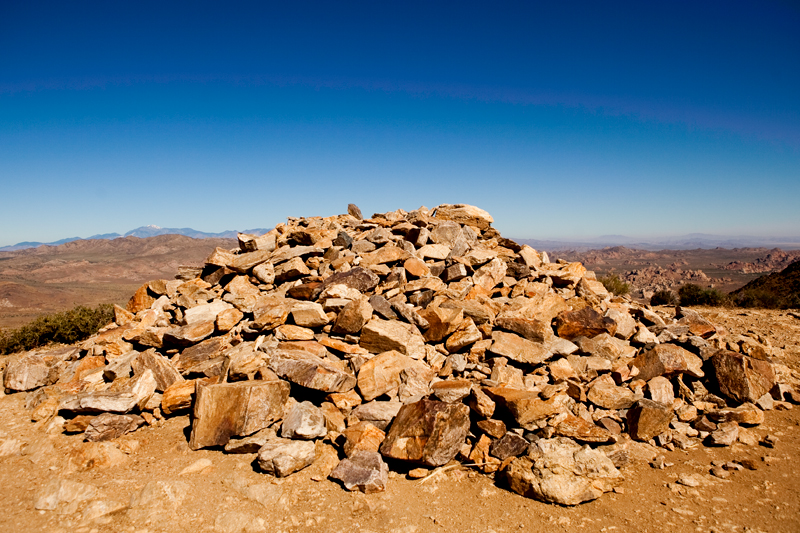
{"type": "Point", "coordinates": [691, 294]}
{"type": "Point", "coordinates": [663, 298]}
{"type": "Point", "coordinates": [66, 327]}
{"type": "Point", "coordinates": [615, 285]}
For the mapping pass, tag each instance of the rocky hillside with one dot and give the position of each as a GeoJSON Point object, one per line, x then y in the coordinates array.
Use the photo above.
{"type": "Point", "coordinates": [778, 290]}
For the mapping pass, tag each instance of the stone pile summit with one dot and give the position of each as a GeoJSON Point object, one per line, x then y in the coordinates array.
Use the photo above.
{"type": "Point", "coordinates": [408, 340]}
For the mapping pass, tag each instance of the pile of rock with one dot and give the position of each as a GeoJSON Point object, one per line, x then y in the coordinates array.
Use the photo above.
{"type": "Point", "coordinates": [413, 338]}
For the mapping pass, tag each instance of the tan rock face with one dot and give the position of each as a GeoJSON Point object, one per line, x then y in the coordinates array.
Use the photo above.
{"type": "Point", "coordinates": [743, 378]}
{"type": "Point", "coordinates": [427, 432]}
{"type": "Point", "coordinates": [310, 371]}
{"type": "Point", "coordinates": [667, 360]}
{"type": "Point", "coordinates": [464, 214]}
{"type": "Point", "coordinates": [585, 322]}
{"type": "Point", "coordinates": [381, 374]}
{"type": "Point", "coordinates": [228, 409]}
{"type": "Point", "coordinates": [518, 349]}
{"type": "Point", "coordinates": [379, 336]}
{"type": "Point", "coordinates": [647, 418]}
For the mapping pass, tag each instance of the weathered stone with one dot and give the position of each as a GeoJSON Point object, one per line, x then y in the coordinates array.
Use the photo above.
{"type": "Point", "coordinates": [697, 324]}
{"type": "Point", "coordinates": [379, 336]}
{"type": "Point", "coordinates": [726, 434]}
{"type": "Point", "coordinates": [282, 457]}
{"type": "Point", "coordinates": [140, 300]}
{"type": "Point", "coordinates": [379, 414]}
{"type": "Point", "coordinates": [364, 471]}
{"type": "Point", "coordinates": [362, 436]}
{"type": "Point", "coordinates": [509, 445]}
{"type": "Point", "coordinates": [386, 254]}
{"type": "Point", "coordinates": [667, 360]}
{"type": "Point", "coordinates": [525, 406]}
{"type": "Point", "coordinates": [518, 349]}
{"type": "Point", "coordinates": [441, 322]}
{"type": "Point", "coordinates": [466, 334]}
{"type": "Point", "coordinates": [464, 214]}
{"type": "Point", "coordinates": [742, 378]}
{"type": "Point", "coordinates": [304, 421]}
{"type": "Point", "coordinates": [310, 371]}
{"type": "Point", "coordinates": [289, 332]}
{"type": "Point", "coordinates": [381, 374]}
{"type": "Point", "coordinates": [251, 243]}
{"type": "Point", "coordinates": [189, 334]}
{"type": "Point", "coordinates": [493, 428]}
{"type": "Point", "coordinates": [427, 431]}
{"type": "Point", "coordinates": [626, 324]}
{"type": "Point", "coordinates": [108, 426]}
{"type": "Point", "coordinates": [205, 312]}
{"type": "Point", "coordinates": [269, 313]}
{"type": "Point", "coordinates": [661, 390]}
{"type": "Point", "coordinates": [563, 473]}
{"type": "Point", "coordinates": [26, 373]}
{"type": "Point", "coordinates": [585, 322]}
{"type": "Point", "coordinates": [452, 391]}
{"type": "Point", "coordinates": [531, 329]}
{"type": "Point", "coordinates": [746, 414]}
{"type": "Point", "coordinates": [290, 270]}
{"type": "Point", "coordinates": [199, 353]}
{"type": "Point", "coordinates": [251, 443]}
{"type": "Point", "coordinates": [490, 274]}
{"type": "Point", "coordinates": [352, 317]}
{"type": "Point", "coordinates": [227, 409]}
{"type": "Point", "coordinates": [606, 394]}
{"type": "Point", "coordinates": [582, 431]}
{"type": "Point", "coordinates": [98, 402]}
{"type": "Point", "coordinates": [164, 372]}
{"type": "Point", "coordinates": [309, 315]}
{"type": "Point", "coordinates": [647, 418]}
{"type": "Point", "coordinates": [178, 396]}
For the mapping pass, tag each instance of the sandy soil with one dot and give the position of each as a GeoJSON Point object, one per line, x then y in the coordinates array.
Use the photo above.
{"type": "Point", "coordinates": [231, 495]}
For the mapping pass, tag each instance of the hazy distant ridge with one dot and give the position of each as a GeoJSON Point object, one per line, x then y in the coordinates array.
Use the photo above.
{"type": "Point", "coordinates": [141, 232]}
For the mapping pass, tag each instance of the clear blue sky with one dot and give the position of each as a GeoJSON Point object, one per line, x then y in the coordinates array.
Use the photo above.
{"type": "Point", "coordinates": [562, 119]}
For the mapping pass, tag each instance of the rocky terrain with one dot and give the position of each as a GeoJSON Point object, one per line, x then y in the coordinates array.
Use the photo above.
{"type": "Point", "coordinates": [648, 271]}
{"type": "Point", "coordinates": [444, 375]}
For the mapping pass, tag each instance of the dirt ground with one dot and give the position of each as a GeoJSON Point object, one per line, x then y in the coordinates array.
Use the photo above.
{"type": "Point", "coordinates": [230, 494]}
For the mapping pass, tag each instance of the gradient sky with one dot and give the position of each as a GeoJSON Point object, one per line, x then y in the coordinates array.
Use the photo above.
{"type": "Point", "coordinates": [562, 119]}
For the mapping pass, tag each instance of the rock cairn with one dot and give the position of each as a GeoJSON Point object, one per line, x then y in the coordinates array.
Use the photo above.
{"type": "Point", "coordinates": [410, 340]}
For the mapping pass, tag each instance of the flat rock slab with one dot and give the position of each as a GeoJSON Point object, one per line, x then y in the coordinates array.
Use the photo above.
{"type": "Point", "coordinates": [667, 360]}
{"type": "Point", "coordinates": [310, 371]}
{"type": "Point", "coordinates": [227, 409]}
{"type": "Point", "coordinates": [518, 349]}
{"type": "Point", "coordinates": [380, 336]}
{"type": "Point", "coordinates": [364, 471]}
{"type": "Point", "coordinates": [428, 432]}
{"type": "Point", "coordinates": [742, 378]}
{"type": "Point", "coordinates": [108, 426]}
{"type": "Point", "coordinates": [282, 457]}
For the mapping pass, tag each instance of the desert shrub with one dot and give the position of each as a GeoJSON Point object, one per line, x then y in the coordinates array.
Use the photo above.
{"type": "Point", "coordinates": [66, 327]}
{"type": "Point", "coordinates": [691, 294]}
{"type": "Point", "coordinates": [758, 298]}
{"type": "Point", "coordinates": [614, 284]}
{"type": "Point", "coordinates": [663, 298]}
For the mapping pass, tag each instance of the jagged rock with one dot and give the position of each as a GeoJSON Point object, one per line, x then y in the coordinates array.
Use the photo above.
{"type": "Point", "coordinates": [178, 396]}
{"type": "Point", "coordinates": [530, 328]}
{"type": "Point", "coordinates": [98, 402]}
{"type": "Point", "coordinates": [309, 314]}
{"type": "Point", "coordinates": [310, 371]}
{"type": "Point", "coordinates": [251, 443]}
{"type": "Point", "coordinates": [189, 334]}
{"type": "Point", "coordinates": [140, 300]}
{"type": "Point", "coordinates": [464, 214]}
{"type": "Point", "coordinates": [251, 243]}
{"type": "Point", "coordinates": [26, 373]}
{"type": "Point", "coordinates": [362, 436]}
{"type": "Point", "coordinates": [742, 378]}
{"type": "Point", "coordinates": [585, 322]}
{"type": "Point", "coordinates": [725, 435]}
{"type": "Point", "coordinates": [563, 473]}
{"type": "Point", "coordinates": [697, 324]}
{"type": "Point", "coordinates": [109, 426]}
{"type": "Point", "coordinates": [526, 407]}
{"type": "Point", "coordinates": [519, 349]}
{"type": "Point", "coordinates": [352, 317]}
{"type": "Point", "coordinates": [165, 374]}
{"type": "Point", "coordinates": [304, 421]}
{"type": "Point", "coordinates": [428, 432]}
{"type": "Point", "coordinates": [582, 431]}
{"type": "Point", "coordinates": [667, 360]}
{"type": "Point", "coordinates": [227, 409]}
{"type": "Point", "coordinates": [364, 471]}
{"type": "Point", "coordinates": [205, 312]}
{"type": "Point", "coordinates": [379, 414]}
{"type": "Point", "coordinates": [452, 391]}
{"type": "Point", "coordinates": [282, 457]}
{"type": "Point", "coordinates": [746, 414]}
{"type": "Point", "coordinates": [441, 322]}
{"type": "Point", "coordinates": [647, 418]}
{"type": "Point", "coordinates": [661, 390]}
{"type": "Point", "coordinates": [380, 336]}
{"type": "Point", "coordinates": [509, 445]}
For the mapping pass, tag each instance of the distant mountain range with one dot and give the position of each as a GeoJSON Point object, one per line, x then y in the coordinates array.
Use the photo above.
{"type": "Point", "coordinates": [142, 232]}
{"type": "Point", "coordinates": [682, 242]}
{"type": "Point", "coordinates": [690, 241]}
